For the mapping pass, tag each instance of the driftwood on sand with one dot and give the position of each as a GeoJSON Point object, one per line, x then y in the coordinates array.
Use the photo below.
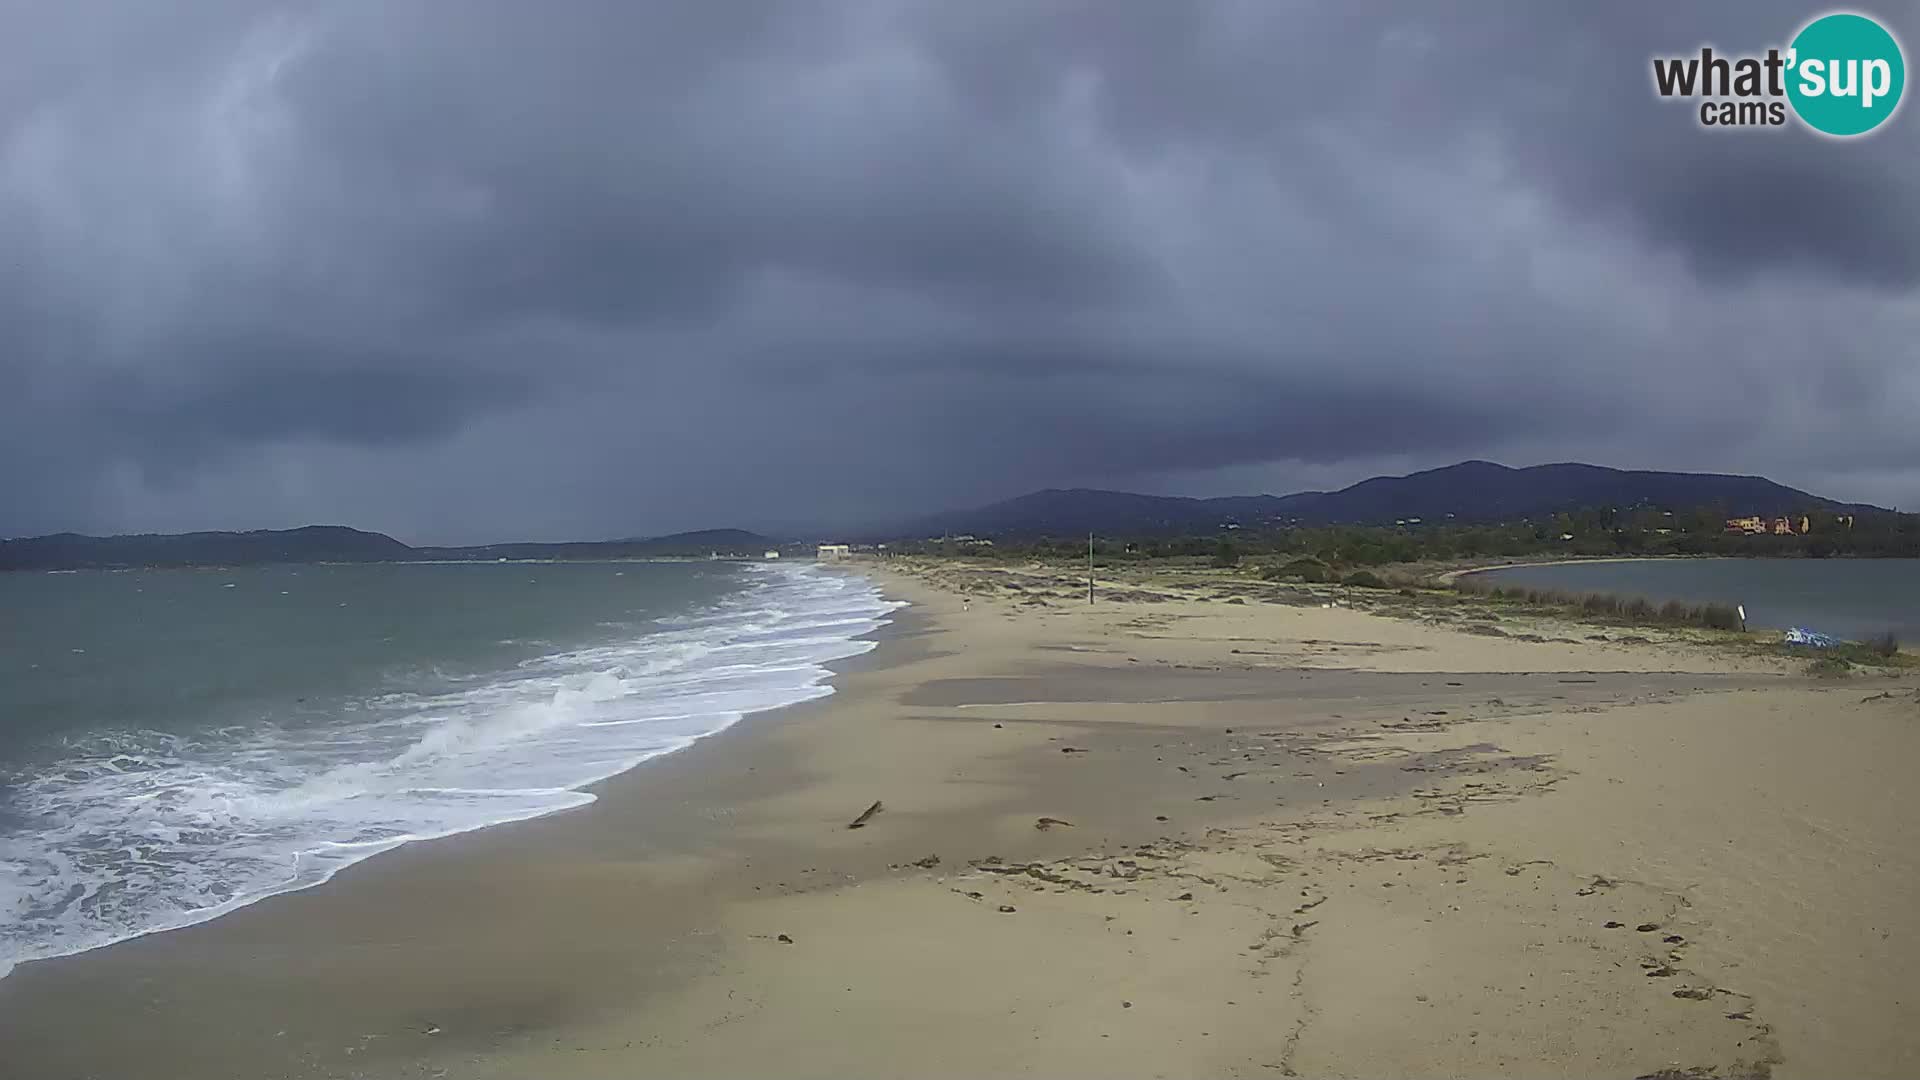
{"type": "Point", "coordinates": [865, 815]}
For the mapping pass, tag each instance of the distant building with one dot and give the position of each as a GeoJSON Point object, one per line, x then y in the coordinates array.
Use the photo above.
{"type": "Point", "coordinates": [1782, 527]}
{"type": "Point", "coordinates": [833, 552]}
{"type": "Point", "coordinates": [1806, 525]}
{"type": "Point", "coordinates": [772, 555]}
{"type": "Point", "coordinates": [1755, 525]}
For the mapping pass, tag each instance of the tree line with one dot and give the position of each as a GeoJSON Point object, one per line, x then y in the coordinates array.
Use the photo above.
{"type": "Point", "coordinates": [1583, 533]}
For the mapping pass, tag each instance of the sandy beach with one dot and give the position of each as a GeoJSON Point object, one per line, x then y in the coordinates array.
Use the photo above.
{"type": "Point", "coordinates": [1179, 832]}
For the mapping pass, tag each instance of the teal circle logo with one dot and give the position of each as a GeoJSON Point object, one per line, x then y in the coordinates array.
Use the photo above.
{"type": "Point", "coordinates": [1845, 74]}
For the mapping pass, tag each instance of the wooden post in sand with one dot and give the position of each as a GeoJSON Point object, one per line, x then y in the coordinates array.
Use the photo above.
{"type": "Point", "coordinates": [1089, 568]}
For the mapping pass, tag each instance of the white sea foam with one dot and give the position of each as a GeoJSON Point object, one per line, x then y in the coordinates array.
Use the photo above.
{"type": "Point", "coordinates": [142, 831]}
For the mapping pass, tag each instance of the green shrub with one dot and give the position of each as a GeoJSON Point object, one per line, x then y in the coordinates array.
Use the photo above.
{"type": "Point", "coordinates": [1605, 606]}
{"type": "Point", "coordinates": [1829, 667]}
{"type": "Point", "coordinates": [1718, 617]}
{"type": "Point", "coordinates": [1306, 569]}
{"type": "Point", "coordinates": [1886, 644]}
{"type": "Point", "coordinates": [1364, 579]}
{"type": "Point", "coordinates": [1226, 555]}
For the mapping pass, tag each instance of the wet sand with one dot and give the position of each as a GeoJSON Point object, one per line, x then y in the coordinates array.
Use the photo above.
{"type": "Point", "coordinates": [1166, 836]}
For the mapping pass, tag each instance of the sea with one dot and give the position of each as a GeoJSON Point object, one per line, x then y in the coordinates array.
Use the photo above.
{"type": "Point", "coordinates": [1848, 598]}
{"type": "Point", "coordinates": [176, 744]}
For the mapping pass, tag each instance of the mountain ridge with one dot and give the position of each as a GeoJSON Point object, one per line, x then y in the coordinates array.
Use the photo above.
{"type": "Point", "coordinates": [1466, 492]}
{"type": "Point", "coordinates": [335, 543]}
{"type": "Point", "coordinates": [1469, 491]}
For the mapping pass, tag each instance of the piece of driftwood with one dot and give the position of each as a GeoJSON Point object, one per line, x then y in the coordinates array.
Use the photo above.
{"type": "Point", "coordinates": [865, 816]}
{"type": "Point", "coordinates": [1046, 823]}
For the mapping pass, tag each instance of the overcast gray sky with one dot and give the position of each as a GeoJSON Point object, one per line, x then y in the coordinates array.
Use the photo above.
{"type": "Point", "coordinates": [486, 270]}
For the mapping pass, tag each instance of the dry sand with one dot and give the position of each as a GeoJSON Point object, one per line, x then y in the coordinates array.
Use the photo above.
{"type": "Point", "coordinates": [1284, 841]}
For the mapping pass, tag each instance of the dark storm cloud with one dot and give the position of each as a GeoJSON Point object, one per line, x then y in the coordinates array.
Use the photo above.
{"type": "Point", "coordinates": [514, 269]}
{"type": "Point", "coordinates": [1736, 205]}
{"type": "Point", "coordinates": [367, 406]}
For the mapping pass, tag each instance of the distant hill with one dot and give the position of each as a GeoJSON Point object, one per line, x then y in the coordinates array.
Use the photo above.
{"type": "Point", "coordinates": [1484, 491]}
{"type": "Point", "coordinates": [1470, 491]}
{"type": "Point", "coordinates": [336, 543]}
{"type": "Point", "coordinates": [314, 543]}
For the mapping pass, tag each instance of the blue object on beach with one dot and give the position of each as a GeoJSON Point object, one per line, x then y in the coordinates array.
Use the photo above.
{"type": "Point", "coordinates": [1800, 635]}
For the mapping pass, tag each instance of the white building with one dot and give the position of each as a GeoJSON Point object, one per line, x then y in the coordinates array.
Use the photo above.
{"type": "Point", "coordinates": [772, 555]}
{"type": "Point", "coordinates": [833, 552]}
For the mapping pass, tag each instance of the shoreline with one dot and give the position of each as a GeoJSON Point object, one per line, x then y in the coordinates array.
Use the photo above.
{"type": "Point", "coordinates": [1450, 576]}
{"type": "Point", "coordinates": [48, 1007]}
{"type": "Point", "coordinates": [588, 790]}
{"type": "Point", "coordinates": [1151, 837]}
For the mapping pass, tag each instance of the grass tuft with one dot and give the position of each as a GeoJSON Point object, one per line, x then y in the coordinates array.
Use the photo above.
{"type": "Point", "coordinates": [1830, 667]}
{"type": "Point", "coordinates": [1635, 610]}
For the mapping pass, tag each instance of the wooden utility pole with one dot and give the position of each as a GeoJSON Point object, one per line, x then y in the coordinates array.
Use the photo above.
{"type": "Point", "coordinates": [1089, 568]}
